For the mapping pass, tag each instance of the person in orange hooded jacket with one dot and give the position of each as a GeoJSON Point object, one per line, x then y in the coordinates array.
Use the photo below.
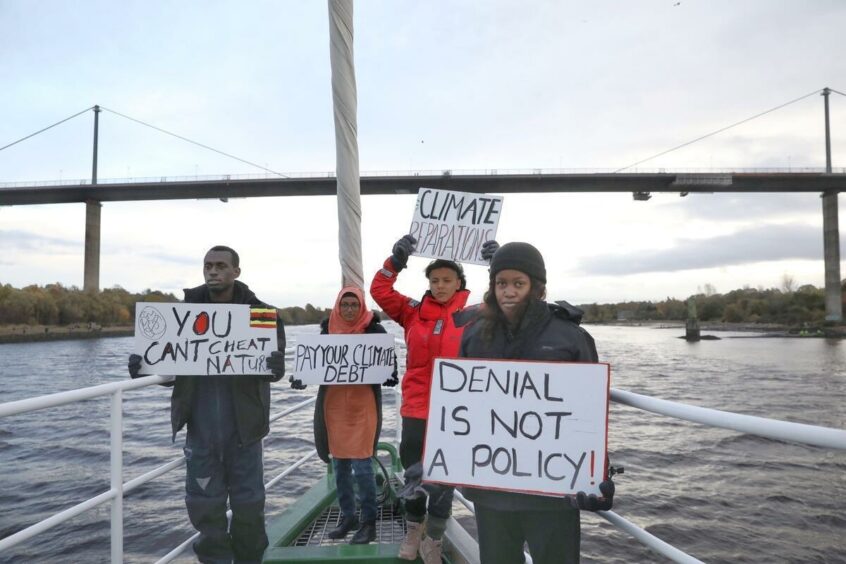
{"type": "Point", "coordinates": [430, 332]}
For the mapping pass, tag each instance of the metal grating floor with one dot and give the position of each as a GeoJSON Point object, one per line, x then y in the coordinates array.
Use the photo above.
{"type": "Point", "coordinates": [390, 524]}
{"type": "Point", "coordinates": [390, 528]}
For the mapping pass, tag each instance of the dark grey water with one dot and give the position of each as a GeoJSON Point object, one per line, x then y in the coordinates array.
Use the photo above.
{"type": "Point", "coordinates": [718, 495]}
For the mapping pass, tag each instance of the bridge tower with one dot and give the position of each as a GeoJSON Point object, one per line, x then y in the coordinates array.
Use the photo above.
{"type": "Point", "coordinates": [831, 237]}
{"type": "Point", "coordinates": [91, 277]}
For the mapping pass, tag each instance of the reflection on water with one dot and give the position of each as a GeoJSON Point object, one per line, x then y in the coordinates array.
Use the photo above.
{"type": "Point", "coordinates": [719, 495]}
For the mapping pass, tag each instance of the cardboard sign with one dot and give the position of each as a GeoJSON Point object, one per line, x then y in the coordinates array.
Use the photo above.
{"type": "Point", "coordinates": [344, 359]}
{"type": "Point", "coordinates": [204, 339]}
{"type": "Point", "coordinates": [454, 225]}
{"type": "Point", "coordinates": [533, 427]}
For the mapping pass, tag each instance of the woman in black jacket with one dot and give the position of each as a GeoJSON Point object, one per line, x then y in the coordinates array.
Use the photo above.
{"type": "Point", "coordinates": [516, 323]}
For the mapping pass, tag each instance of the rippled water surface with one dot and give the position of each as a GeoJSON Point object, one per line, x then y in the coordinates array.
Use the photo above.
{"type": "Point", "coordinates": [716, 494]}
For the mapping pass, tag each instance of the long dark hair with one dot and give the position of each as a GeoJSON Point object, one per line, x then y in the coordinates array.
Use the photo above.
{"type": "Point", "coordinates": [492, 315]}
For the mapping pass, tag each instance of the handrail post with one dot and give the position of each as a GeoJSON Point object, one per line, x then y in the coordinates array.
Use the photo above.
{"type": "Point", "coordinates": [116, 464]}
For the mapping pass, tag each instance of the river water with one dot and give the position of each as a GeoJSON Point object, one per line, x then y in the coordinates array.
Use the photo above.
{"type": "Point", "coordinates": [718, 495]}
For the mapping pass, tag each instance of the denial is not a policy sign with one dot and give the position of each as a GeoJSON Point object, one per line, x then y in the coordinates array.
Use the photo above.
{"type": "Point", "coordinates": [532, 427]}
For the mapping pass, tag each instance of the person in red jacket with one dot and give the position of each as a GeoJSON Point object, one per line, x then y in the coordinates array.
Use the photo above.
{"type": "Point", "coordinates": [430, 332]}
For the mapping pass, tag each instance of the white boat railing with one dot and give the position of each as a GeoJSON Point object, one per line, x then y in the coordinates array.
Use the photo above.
{"type": "Point", "coordinates": [118, 489]}
{"type": "Point", "coordinates": [781, 430]}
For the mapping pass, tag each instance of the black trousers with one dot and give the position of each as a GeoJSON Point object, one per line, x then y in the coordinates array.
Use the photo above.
{"type": "Point", "coordinates": [411, 451]}
{"type": "Point", "coordinates": [553, 536]}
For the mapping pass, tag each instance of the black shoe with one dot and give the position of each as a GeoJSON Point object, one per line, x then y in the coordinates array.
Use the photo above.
{"type": "Point", "coordinates": [346, 525]}
{"type": "Point", "coordinates": [366, 534]}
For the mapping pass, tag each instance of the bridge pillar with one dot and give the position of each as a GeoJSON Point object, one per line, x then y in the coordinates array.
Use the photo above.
{"type": "Point", "coordinates": [831, 252]}
{"type": "Point", "coordinates": [92, 246]}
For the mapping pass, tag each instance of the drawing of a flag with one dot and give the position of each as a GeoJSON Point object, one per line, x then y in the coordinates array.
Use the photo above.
{"type": "Point", "coordinates": [264, 318]}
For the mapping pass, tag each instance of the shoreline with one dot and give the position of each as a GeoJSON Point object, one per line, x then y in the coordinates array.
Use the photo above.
{"type": "Point", "coordinates": [771, 330]}
{"type": "Point", "coordinates": [41, 333]}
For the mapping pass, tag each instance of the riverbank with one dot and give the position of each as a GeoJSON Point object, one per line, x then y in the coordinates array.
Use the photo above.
{"type": "Point", "coordinates": [762, 329]}
{"type": "Point", "coordinates": [37, 333]}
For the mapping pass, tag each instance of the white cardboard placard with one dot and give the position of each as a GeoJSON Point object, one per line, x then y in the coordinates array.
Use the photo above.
{"type": "Point", "coordinates": [454, 225]}
{"type": "Point", "coordinates": [204, 339]}
{"type": "Point", "coordinates": [534, 427]}
{"type": "Point", "coordinates": [344, 359]}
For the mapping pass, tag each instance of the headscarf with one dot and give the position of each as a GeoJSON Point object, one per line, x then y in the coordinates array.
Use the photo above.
{"type": "Point", "coordinates": [339, 325]}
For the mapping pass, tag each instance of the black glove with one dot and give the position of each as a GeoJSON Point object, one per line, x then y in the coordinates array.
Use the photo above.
{"type": "Point", "coordinates": [134, 366]}
{"type": "Point", "coordinates": [488, 250]}
{"type": "Point", "coordinates": [296, 384]}
{"type": "Point", "coordinates": [391, 382]}
{"type": "Point", "coordinates": [590, 502]}
{"type": "Point", "coordinates": [401, 251]}
{"type": "Point", "coordinates": [276, 363]}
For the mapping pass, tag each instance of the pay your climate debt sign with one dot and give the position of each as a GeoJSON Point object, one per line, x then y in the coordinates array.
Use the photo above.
{"type": "Point", "coordinates": [454, 225]}
{"type": "Point", "coordinates": [204, 339]}
{"type": "Point", "coordinates": [344, 359]}
{"type": "Point", "coordinates": [532, 427]}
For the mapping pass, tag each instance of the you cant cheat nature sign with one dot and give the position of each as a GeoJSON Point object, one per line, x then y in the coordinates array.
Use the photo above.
{"type": "Point", "coordinates": [533, 427]}
{"type": "Point", "coordinates": [204, 339]}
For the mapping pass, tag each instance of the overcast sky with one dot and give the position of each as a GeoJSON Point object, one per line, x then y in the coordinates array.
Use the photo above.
{"type": "Point", "coordinates": [441, 85]}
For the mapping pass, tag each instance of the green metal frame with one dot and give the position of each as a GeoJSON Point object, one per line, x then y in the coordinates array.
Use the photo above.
{"type": "Point", "coordinates": [285, 529]}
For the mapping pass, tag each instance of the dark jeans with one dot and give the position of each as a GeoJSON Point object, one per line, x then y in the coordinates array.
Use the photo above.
{"type": "Point", "coordinates": [213, 474]}
{"type": "Point", "coordinates": [553, 536]}
{"type": "Point", "coordinates": [362, 468]}
{"type": "Point", "coordinates": [411, 451]}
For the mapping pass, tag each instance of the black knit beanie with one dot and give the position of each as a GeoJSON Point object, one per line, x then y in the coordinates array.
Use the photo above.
{"type": "Point", "coordinates": [519, 256]}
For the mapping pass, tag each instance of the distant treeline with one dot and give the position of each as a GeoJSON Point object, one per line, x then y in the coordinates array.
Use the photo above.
{"type": "Point", "coordinates": [55, 304]}
{"type": "Point", "coordinates": [805, 304]}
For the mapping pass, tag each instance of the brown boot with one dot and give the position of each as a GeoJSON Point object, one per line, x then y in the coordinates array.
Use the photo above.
{"type": "Point", "coordinates": [411, 543]}
{"type": "Point", "coordinates": [431, 550]}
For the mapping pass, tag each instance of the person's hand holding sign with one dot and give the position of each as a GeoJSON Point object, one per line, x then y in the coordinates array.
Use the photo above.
{"type": "Point", "coordinates": [488, 250]}
{"type": "Point", "coordinates": [134, 366]}
{"type": "Point", "coordinates": [276, 364]}
{"type": "Point", "coordinates": [591, 502]}
{"type": "Point", "coordinates": [402, 250]}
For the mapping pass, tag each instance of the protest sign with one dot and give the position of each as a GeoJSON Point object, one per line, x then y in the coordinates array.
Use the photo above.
{"type": "Point", "coordinates": [535, 427]}
{"type": "Point", "coordinates": [344, 359]}
{"type": "Point", "coordinates": [454, 225]}
{"type": "Point", "coordinates": [204, 339]}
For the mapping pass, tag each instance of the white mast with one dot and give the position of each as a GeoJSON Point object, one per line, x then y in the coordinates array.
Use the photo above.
{"type": "Point", "coordinates": [344, 100]}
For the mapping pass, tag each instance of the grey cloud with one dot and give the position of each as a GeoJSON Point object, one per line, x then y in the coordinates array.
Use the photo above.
{"type": "Point", "coordinates": [154, 253]}
{"type": "Point", "coordinates": [758, 244]}
{"type": "Point", "coordinates": [28, 241]}
{"type": "Point", "coordinates": [725, 206]}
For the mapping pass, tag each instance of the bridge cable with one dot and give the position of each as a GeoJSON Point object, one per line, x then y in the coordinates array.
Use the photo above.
{"type": "Point", "coordinates": [159, 129]}
{"type": "Point", "coordinates": [46, 128]}
{"type": "Point", "coordinates": [719, 130]}
{"type": "Point", "coordinates": [837, 91]}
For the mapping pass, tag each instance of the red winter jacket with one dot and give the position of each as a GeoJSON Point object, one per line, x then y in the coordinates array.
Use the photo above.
{"type": "Point", "coordinates": [429, 332]}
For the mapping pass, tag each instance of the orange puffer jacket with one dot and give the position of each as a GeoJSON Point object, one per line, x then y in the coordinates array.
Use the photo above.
{"type": "Point", "coordinates": [430, 332]}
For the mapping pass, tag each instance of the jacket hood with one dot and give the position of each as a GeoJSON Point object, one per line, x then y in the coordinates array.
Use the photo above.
{"type": "Point", "coordinates": [565, 310]}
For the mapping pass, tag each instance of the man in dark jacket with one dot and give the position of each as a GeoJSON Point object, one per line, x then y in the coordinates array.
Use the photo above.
{"type": "Point", "coordinates": [227, 416]}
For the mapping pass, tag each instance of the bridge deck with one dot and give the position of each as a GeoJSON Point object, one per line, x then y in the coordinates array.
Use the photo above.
{"type": "Point", "coordinates": [114, 191]}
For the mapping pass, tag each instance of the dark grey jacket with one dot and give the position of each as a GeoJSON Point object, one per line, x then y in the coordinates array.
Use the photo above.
{"type": "Point", "coordinates": [547, 332]}
{"type": "Point", "coordinates": [250, 395]}
{"type": "Point", "coordinates": [321, 436]}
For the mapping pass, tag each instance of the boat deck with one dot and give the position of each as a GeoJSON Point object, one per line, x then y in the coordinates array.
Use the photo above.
{"type": "Point", "coordinates": [299, 534]}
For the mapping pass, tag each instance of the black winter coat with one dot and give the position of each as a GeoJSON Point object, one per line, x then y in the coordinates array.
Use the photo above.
{"type": "Point", "coordinates": [547, 332]}
{"type": "Point", "coordinates": [321, 436]}
{"type": "Point", "coordinates": [250, 394]}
